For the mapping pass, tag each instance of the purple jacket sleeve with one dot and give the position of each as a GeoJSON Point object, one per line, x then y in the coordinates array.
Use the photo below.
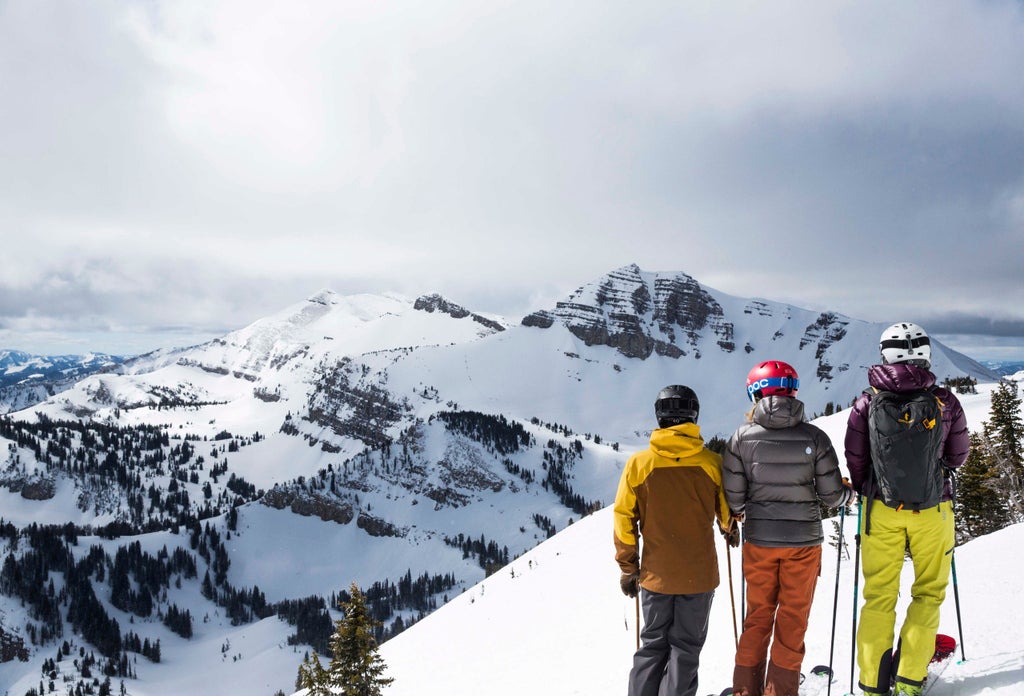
{"type": "Point", "coordinates": [858, 445]}
{"type": "Point", "coordinates": [956, 437]}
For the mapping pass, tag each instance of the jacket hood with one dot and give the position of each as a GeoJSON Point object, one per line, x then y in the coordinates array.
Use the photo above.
{"type": "Point", "coordinates": [682, 440]}
{"type": "Point", "coordinates": [776, 412]}
{"type": "Point", "coordinates": [900, 377]}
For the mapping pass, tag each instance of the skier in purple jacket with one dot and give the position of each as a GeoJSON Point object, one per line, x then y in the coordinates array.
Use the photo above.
{"type": "Point", "coordinates": [906, 363]}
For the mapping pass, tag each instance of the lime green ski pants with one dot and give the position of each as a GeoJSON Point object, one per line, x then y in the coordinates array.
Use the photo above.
{"type": "Point", "coordinates": [929, 534]}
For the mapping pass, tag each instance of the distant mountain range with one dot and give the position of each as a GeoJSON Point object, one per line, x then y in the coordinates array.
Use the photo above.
{"type": "Point", "coordinates": [374, 438]}
{"type": "Point", "coordinates": [27, 379]}
{"type": "Point", "coordinates": [1004, 367]}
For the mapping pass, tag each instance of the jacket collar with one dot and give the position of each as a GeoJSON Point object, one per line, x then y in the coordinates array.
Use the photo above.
{"type": "Point", "coordinates": [778, 412]}
{"type": "Point", "coordinates": [900, 377]}
{"type": "Point", "coordinates": [682, 440]}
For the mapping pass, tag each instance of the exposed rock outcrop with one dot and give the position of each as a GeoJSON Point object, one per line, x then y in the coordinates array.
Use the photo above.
{"type": "Point", "coordinates": [309, 504]}
{"type": "Point", "coordinates": [375, 526]}
{"type": "Point", "coordinates": [639, 314]}
{"type": "Point", "coordinates": [825, 331]}
{"type": "Point", "coordinates": [350, 406]}
{"type": "Point", "coordinates": [31, 487]}
{"type": "Point", "coordinates": [437, 303]}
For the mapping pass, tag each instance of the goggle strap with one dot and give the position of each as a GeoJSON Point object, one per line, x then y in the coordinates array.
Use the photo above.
{"type": "Point", "coordinates": [905, 343]}
{"type": "Point", "coordinates": [790, 383]}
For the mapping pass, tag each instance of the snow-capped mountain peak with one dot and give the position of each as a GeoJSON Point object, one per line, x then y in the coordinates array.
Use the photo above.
{"type": "Point", "coordinates": [641, 313]}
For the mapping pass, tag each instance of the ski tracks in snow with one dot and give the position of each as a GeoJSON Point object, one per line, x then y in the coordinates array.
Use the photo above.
{"type": "Point", "coordinates": [999, 674]}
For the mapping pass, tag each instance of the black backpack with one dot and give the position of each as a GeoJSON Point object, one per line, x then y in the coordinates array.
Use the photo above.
{"type": "Point", "coordinates": [905, 431]}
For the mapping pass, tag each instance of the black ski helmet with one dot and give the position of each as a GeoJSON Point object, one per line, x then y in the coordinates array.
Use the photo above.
{"type": "Point", "coordinates": [676, 404]}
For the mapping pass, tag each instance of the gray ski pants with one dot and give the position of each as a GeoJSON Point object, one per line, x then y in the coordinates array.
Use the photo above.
{"type": "Point", "coordinates": [675, 627]}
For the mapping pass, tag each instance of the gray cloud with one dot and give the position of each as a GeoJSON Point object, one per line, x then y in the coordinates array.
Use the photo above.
{"type": "Point", "coordinates": [200, 165]}
{"type": "Point", "coordinates": [966, 324]}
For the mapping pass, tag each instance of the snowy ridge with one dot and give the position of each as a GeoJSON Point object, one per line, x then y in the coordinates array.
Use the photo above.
{"type": "Point", "coordinates": [627, 333]}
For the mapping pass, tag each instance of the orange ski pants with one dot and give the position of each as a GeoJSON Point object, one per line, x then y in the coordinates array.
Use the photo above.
{"type": "Point", "coordinates": [780, 589]}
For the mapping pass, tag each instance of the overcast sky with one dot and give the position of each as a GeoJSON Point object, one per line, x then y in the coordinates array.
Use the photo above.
{"type": "Point", "coordinates": [171, 171]}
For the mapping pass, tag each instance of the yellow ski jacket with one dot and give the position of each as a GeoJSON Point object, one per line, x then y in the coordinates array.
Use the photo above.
{"type": "Point", "coordinates": [670, 495]}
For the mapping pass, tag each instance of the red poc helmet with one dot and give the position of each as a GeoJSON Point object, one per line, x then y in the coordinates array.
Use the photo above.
{"type": "Point", "coordinates": [772, 377]}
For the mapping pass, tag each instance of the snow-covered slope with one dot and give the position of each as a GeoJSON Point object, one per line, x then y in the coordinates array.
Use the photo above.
{"type": "Point", "coordinates": [269, 358]}
{"type": "Point", "coordinates": [554, 621]}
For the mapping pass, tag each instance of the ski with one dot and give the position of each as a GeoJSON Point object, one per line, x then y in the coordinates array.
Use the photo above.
{"type": "Point", "coordinates": [935, 670]}
{"type": "Point", "coordinates": [817, 680]}
{"type": "Point", "coordinates": [945, 646]}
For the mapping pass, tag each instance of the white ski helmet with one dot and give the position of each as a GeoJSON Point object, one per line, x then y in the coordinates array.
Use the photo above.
{"type": "Point", "coordinates": [906, 343]}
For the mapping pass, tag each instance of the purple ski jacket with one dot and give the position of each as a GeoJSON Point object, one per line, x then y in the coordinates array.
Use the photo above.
{"type": "Point", "coordinates": [900, 377]}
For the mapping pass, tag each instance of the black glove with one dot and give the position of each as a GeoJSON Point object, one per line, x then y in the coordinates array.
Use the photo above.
{"type": "Point", "coordinates": [732, 534]}
{"type": "Point", "coordinates": [630, 584]}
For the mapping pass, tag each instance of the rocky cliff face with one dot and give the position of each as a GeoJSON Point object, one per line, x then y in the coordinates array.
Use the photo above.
{"type": "Point", "coordinates": [827, 330]}
{"type": "Point", "coordinates": [309, 504]}
{"type": "Point", "coordinates": [347, 402]}
{"type": "Point", "coordinates": [436, 303]}
{"type": "Point", "coordinates": [641, 313]}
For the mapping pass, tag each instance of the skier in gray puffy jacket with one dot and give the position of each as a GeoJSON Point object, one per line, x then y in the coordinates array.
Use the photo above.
{"type": "Point", "coordinates": [775, 469]}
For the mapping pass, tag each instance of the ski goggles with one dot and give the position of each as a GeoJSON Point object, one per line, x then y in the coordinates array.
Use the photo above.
{"type": "Point", "coordinates": [676, 403]}
{"type": "Point", "coordinates": [908, 343]}
{"type": "Point", "coordinates": [775, 384]}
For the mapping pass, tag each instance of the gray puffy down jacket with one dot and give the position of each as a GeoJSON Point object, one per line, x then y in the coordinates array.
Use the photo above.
{"type": "Point", "coordinates": [775, 469]}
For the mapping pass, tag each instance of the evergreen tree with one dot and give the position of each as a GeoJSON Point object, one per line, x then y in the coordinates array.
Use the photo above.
{"type": "Point", "coordinates": [314, 677]}
{"type": "Point", "coordinates": [716, 444]}
{"type": "Point", "coordinates": [1005, 432]}
{"type": "Point", "coordinates": [1008, 422]}
{"type": "Point", "coordinates": [356, 667]}
{"type": "Point", "coordinates": [981, 501]}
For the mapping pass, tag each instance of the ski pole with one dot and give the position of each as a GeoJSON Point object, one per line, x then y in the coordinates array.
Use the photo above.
{"type": "Point", "coordinates": [956, 601]}
{"type": "Point", "coordinates": [637, 605]}
{"type": "Point", "coordinates": [952, 562]}
{"type": "Point", "coordinates": [856, 583]}
{"type": "Point", "coordinates": [743, 579]}
{"type": "Point", "coordinates": [732, 595]}
{"type": "Point", "coordinates": [835, 599]}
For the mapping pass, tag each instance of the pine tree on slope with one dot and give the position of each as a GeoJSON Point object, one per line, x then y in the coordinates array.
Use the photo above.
{"type": "Point", "coordinates": [356, 666]}
{"type": "Point", "coordinates": [981, 501]}
{"type": "Point", "coordinates": [314, 677]}
{"type": "Point", "coordinates": [1005, 432]}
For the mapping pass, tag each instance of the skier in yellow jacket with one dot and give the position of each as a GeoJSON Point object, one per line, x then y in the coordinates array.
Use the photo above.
{"type": "Point", "coordinates": [670, 495]}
